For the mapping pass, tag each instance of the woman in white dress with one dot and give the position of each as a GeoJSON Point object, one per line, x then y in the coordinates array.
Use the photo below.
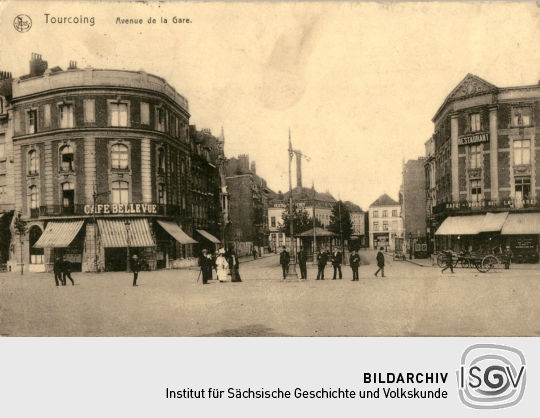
{"type": "Point", "coordinates": [222, 266]}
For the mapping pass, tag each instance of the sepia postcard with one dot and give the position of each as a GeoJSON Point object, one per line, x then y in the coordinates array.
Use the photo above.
{"type": "Point", "coordinates": [259, 169]}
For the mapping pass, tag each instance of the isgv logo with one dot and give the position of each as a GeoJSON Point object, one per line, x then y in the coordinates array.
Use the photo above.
{"type": "Point", "coordinates": [491, 376]}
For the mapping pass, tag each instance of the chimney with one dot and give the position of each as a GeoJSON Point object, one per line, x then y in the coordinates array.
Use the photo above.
{"type": "Point", "coordinates": [37, 65]}
{"type": "Point", "coordinates": [253, 167]}
{"type": "Point", "coordinates": [72, 65]}
{"type": "Point", "coordinates": [298, 170]}
{"type": "Point", "coordinates": [243, 163]}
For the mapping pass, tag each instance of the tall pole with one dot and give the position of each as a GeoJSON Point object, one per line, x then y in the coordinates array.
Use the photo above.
{"type": "Point", "coordinates": [314, 232]}
{"type": "Point", "coordinates": [341, 232]}
{"type": "Point", "coordinates": [292, 272]}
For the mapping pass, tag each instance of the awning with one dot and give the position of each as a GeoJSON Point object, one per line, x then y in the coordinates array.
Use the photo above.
{"type": "Point", "coordinates": [461, 225]}
{"type": "Point", "coordinates": [493, 222]}
{"type": "Point", "coordinates": [59, 234]}
{"type": "Point", "coordinates": [208, 236]}
{"type": "Point", "coordinates": [521, 224]}
{"type": "Point", "coordinates": [176, 232]}
{"type": "Point", "coordinates": [320, 232]}
{"type": "Point", "coordinates": [113, 233]}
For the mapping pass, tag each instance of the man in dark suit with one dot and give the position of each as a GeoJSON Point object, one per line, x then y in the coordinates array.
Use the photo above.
{"type": "Point", "coordinates": [336, 263]}
{"type": "Point", "coordinates": [284, 260]}
{"type": "Point", "coordinates": [322, 259]}
{"type": "Point", "coordinates": [206, 266]}
{"type": "Point", "coordinates": [57, 269]}
{"type": "Point", "coordinates": [354, 261]}
{"type": "Point", "coordinates": [380, 262]}
{"type": "Point", "coordinates": [135, 268]}
{"type": "Point", "coordinates": [302, 260]}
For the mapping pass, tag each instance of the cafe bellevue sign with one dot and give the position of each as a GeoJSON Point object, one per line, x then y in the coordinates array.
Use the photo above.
{"type": "Point", "coordinates": [121, 208]}
{"type": "Point", "coordinates": [473, 139]}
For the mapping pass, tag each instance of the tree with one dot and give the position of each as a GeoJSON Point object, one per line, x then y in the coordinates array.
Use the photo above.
{"type": "Point", "coordinates": [340, 221]}
{"type": "Point", "coordinates": [302, 222]}
{"type": "Point", "coordinates": [20, 230]}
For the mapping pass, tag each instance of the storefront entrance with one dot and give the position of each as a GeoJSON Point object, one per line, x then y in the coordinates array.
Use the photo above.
{"type": "Point", "coordinates": [115, 259]}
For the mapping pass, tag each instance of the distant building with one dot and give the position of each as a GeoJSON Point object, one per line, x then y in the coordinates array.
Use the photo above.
{"type": "Point", "coordinates": [385, 222]}
{"type": "Point", "coordinates": [414, 199]}
{"type": "Point", "coordinates": [248, 205]}
{"type": "Point", "coordinates": [358, 219]}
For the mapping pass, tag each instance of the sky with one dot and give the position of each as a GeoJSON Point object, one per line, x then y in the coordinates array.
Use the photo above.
{"type": "Point", "coordinates": [356, 83]}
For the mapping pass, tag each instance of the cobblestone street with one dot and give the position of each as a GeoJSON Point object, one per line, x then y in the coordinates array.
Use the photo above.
{"type": "Point", "coordinates": [411, 300]}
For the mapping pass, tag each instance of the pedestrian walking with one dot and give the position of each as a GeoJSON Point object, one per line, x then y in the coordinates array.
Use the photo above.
{"type": "Point", "coordinates": [205, 264]}
{"type": "Point", "coordinates": [222, 266]}
{"type": "Point", "coordinates": [337, 259]}
{"type": "Point", "coordinates": [380, 262]}
{"type": "Point", "coordinates": [135, 267]}
{"type": "Point", "coordinates": [284, 260]}
{"type": "Point", "coordinates": [254, 252]}
{"type": "Point", "coordinates": [66, 273]}
{"type": "Point", "coordinates": [322, 259]}
{"type": "Point", "coordinates": [354, 261]}
{"type": "Point", "coordinates": [302, 262]}
{"type": "Point", "coordinates": [235, 272]}
{"type": "Point", "coordinates": [57, 269]}
{"type": "Point", "coordinates": [507, 257]}
{"type": "Point", "coordinates": [449, 262]}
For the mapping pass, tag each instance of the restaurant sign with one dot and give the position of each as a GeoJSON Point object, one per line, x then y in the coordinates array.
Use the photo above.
{"type": "Point", "coordinates": [121, 208]}
{"type": "Point", "coordinates": [473, 139]}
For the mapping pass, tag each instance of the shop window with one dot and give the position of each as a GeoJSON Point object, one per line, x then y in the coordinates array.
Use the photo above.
{"type": "Point", "coordinates": [145, 113]}
{"type": "Point", "coordinates": [474, 122]}
{"type": "Point", "coordinates": [66, 116]}
{"type": "Point", "coordinates": [521, 116]}
{"type": "Point", "coordinates": [31, 121]}
{"type": "Point", "coordinates": [120, 192]}
{"type": "Point", "coordinates": [375, 226]}
{"type": "Point", "coordinates": [522, 188]}
{"type": "Point", "coordinates": [162, 194]}
{"type": "Point", "coordinates": [522, 152]}
{"type": "Point", "coordinates": [89, 110]}
{"type": "Point", "coordinates": [33, 163]}
{"type": "Point", "coordinates": [119, 157]}
{"type": "Point", "coordinates": [118, 114]}
{"type": "Point", "coordinates": [475, 156]}
{"type": "Point", "coordinates": [68, 198]}
{"type": "Point", "coordinates": [36, 254]}
{"type": "Point", "coordinates": [66, 158]}
{"type": "Point", "coordinates": [34, 197]}
{"type": "Point", "coordinates": [476, 191]}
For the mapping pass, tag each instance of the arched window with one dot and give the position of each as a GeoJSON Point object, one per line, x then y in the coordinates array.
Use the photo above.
{"type": "Point", "coordinates": [33, 162]}
{"type": "Point", "coordinates": [34, 197]}
{"type": "Point", "coordinates": [68, 197]}
{"type": "Point", "coordinates": [66, 158]}
{"type": "Point", "coordinates": [119, 157]}
{"type": "Point", "coordinates": [36, 254]}
{"type": "Point", "coordinates": [161, 160]}
{"type": "Point", "coordinates": [120, 192]}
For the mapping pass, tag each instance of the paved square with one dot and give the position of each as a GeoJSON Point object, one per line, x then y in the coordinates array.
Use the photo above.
{"type": "Point", "coordinates": [410, 301]}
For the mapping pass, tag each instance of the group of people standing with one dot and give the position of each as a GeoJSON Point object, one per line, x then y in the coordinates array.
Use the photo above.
{"type": "Point", "coordinates": [323, 257]}
{"type": "Point", "coordinates": [225, 263]}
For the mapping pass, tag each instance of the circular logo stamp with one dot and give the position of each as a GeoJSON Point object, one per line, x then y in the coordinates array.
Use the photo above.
{"type": "Point", "coordinates": [22, 23]}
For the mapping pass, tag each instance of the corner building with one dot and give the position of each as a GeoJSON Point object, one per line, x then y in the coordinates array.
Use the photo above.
{"type": "Point", "coordinates": [102, 162]}
{"type": "Point", "coordinates": [483, 169]}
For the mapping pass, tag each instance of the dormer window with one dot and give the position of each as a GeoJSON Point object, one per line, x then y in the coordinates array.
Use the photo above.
{"type": "Point", "coordinates": [66, 158]}
{"type": "Point", "coordinates": [66, 115]}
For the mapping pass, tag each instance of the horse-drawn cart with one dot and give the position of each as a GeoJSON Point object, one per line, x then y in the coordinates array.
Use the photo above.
{"type": "Point", "coordinates": [483, 262]}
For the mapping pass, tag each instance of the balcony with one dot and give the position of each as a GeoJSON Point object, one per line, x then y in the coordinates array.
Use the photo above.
{"type": "Point", "coordinates": [487, 205]}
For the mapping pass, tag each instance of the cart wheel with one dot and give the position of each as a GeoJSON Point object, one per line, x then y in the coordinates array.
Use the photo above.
{"type": "Point", "coordinates": [489, 262]}
{"type": "Point", "coordinates": [441, 260]}
{"type": "Point", "coordinates": [465, 263]}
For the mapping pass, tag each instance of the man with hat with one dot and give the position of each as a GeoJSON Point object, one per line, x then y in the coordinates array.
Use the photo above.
{"type": "Point", "coordinates": [135, 268]}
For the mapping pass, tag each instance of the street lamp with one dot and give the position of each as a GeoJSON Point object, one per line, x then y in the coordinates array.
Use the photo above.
{"type": "Point", "coordinates": [292, 271]}
{"type": "Point", "coordinates": [127, 225]}
{"type": "Point", "coordinates": [410, 246]}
